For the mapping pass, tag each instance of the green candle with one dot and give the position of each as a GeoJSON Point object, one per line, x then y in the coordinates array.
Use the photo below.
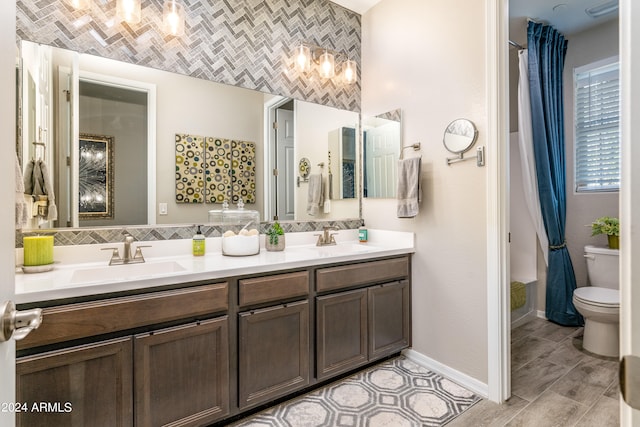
{"type": "Point", "coordinates": [38, 250]}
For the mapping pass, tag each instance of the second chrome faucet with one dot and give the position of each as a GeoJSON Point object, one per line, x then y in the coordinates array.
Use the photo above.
{"type": "Point", "coordinates": [126, 258]}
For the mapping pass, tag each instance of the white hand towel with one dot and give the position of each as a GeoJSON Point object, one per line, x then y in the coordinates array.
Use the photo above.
{"type": "Point", "coordinates": [315, 198]}
{"type": "Point", "coordinates": [409, 188]}
{"type": "Point", "coordinates": [327, 195]}
{"type": "Point", "coordinates": [52, 211]}
{"type": "Point", "coordinates": [21, 206]}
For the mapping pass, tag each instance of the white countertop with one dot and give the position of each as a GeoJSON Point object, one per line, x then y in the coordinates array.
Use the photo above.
{"type": "Point", "coordinates": [83, 269]}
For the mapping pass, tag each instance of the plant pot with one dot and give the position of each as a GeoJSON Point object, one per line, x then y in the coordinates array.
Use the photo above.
{"type": "Point", "coordinates": [614, 242]}
{"type": "Point", "coordinates": [277, 247]}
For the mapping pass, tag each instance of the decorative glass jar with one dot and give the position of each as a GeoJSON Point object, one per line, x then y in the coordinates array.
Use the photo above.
{"type": "Point", "coordinates": [240, 236]}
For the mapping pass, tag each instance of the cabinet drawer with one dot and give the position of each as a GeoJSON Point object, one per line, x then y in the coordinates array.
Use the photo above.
{"type": "Point", "coordinates": [73, 321]}
{"type": "Point", "coordinates": [273, 288]}
{"type": "Point", "coordinates": [329, 279]}
{"type": "Point", "coordinates": [92, 383]}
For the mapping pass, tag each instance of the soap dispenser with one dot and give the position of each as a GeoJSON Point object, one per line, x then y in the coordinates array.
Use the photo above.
{"type": "Point", "coordinates": [198, 243]}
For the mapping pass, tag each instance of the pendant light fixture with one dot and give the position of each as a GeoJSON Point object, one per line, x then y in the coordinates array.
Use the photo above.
{"type": "Point", "coordinates": [302, 58]}
{"type": "Point", "coordinates": [173, 17]}
{"type": "Point", "coordinates": [129, 11]}
{"type": "Point", "coordinates": [79, 4]}
{"type": "Point", "coordinates": [327, 65]}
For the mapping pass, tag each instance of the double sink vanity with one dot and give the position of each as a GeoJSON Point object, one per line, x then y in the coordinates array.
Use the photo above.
{"type": "Point", "coordinates": [191, 341]}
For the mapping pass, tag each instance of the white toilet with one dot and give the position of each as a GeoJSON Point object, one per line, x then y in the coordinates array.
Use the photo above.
{"type": "Point", "coordinates": [599, 303]}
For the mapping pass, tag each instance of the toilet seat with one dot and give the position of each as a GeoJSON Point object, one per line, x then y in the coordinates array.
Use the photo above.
{"type": "Point", "coordinates": [601, 297]}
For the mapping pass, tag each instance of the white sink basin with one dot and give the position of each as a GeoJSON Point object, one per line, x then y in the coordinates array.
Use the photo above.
{"type": "Point", "coordinates": [342, 249]}
{"type": "Point", "coordinates": [125, 272]}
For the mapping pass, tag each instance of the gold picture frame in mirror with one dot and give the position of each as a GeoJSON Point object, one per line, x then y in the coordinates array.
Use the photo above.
{"type": "Point", "coordinates": [95, 176]}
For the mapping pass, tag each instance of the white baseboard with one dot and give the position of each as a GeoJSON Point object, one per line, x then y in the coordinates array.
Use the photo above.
{"type": "Point", "coordinates": [458, 377]}
{"type": "Point", "coordinates": [542, 314]}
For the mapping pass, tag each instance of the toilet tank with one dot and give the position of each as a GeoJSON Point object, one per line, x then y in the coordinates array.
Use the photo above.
{"type": "Point", "coordinates": [602, 266]}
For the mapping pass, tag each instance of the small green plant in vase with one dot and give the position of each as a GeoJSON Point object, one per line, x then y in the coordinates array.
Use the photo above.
{"type": "Point", "coordinates": [609, 226]}
{"type": "Point", "coordinates": [275, 237]}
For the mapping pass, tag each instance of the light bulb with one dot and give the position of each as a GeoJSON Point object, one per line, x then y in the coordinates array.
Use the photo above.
{"type": "Point", "coordinates": [79, 4]}
{"type": "Point", "coordinates": [349, 73]}
{"type": "Point", "coordinates": [173, 16]}
{"type": "Point", "coordinates": [129, 11]}
{"type": "Point", "coordinates": [303, 58]}
{"type": "Point", "coordinates": [327, 65]}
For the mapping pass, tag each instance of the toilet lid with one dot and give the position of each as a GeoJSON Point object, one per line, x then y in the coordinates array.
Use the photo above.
{"type": "Point", "coordinates": [598, 296]}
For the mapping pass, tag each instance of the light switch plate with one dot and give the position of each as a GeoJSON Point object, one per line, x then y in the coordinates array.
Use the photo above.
{"type": "Point", "coordinates": [162, 208]}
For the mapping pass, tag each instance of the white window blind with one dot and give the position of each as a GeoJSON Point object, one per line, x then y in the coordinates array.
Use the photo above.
{"type": "Point", "coordinates": [597, 127]}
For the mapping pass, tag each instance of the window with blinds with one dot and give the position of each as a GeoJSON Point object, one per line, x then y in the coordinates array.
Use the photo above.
{"type": "Point", "coordinates": [597, 126]}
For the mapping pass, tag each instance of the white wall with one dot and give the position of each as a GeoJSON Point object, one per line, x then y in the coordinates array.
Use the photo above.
{"type": "Point", "coordinates": [584, 48]}
{"type": "Point", "coordinates": [428, 58]}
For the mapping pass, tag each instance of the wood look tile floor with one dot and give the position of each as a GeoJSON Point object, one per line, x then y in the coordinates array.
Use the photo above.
{"type": "Point", "coordinates": [554, 382]}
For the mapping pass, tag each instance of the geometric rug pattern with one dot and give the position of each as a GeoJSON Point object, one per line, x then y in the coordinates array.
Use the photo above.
{"type": "Point", "coordinates": [395, 393]}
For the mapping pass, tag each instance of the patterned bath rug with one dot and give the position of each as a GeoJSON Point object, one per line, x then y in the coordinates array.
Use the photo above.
{"type": "Point", "coordinates": [396, 393]}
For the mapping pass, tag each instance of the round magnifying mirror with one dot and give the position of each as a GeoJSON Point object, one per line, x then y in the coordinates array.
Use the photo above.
{"type": "Point", "coordinates": [460, 136]}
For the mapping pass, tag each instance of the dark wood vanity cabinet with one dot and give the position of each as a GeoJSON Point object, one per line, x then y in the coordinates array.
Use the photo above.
{"type": "Point", "coordinates": [273, 342]}
{"type": "Point", "coordinates": [167, 376]}
{"type": "Point", "coordinates": [182, 375]}
{"type": "Point", "coordinates": [341, 332]}
{"type": "Point", "coordinates": [273, 353]}
{"type": "Point", "coordinates": [81, 386]}
{"type": "Point", "coordinates": [389, 318]}
{"type": "Point", "coordinates": [202, 353]}
{"type": "Point", "coordinates": [358, 326]}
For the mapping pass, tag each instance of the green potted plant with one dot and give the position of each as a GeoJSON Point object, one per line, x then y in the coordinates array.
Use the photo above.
{"type": "Point", "coordinates": [274, 237]}
{"type": "Point", "coordinates": [609, 226]}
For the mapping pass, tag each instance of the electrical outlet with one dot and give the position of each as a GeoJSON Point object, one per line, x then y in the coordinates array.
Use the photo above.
{"type": "Point", "coordinates": [163, 209]}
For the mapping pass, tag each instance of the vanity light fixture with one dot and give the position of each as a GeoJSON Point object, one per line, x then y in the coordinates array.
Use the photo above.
{"type": "Point", "coordinates": [79, 4]}
{"type": "Point", "coordinates": [306, 57]}
{"type": "Point", "coordinates": [129, 11]}
{"type": "Point", "coordinates": [173, 17]}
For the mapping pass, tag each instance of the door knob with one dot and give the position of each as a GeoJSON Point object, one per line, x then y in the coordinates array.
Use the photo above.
{"type": "Point", "coordinates": [17, 323]}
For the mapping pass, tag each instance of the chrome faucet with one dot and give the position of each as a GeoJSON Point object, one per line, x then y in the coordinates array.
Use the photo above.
{"type": "Point", "coordinates": [326, 238]}
{"type": "Point", "coordinates": [126, 258]}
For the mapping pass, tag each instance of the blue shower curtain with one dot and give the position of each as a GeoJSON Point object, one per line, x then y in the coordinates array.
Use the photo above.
{"type": "Point", "coordinates": [547, 49]}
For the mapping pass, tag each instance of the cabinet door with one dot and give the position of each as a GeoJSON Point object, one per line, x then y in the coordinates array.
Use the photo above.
{"type": "Point", "coordinates": [80, 386]}
{"type": "Point", "coordinates": [341, 332]}
{"type": "Point", "coordinates": [389, 319]}
{"type": "Point", "coordinates": [182, 374]}
{"type": "Point", "coordinates": [273, 352]}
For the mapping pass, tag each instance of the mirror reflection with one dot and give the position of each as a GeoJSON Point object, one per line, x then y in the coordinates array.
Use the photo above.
{"type": "Point", "coordinates": [459, 136]}
{"type": "Point", "coordinates": [382, 141]}
{"type": "Point", "coordinates": [140, 111]}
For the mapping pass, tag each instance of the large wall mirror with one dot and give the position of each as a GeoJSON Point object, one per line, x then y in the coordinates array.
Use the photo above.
{"type": "Point", "coordinates": [68, 98]}
{"type": "Point", "coordinates": [382, 142]}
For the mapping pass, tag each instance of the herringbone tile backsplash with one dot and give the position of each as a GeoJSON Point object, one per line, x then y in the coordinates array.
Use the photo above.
{"type": "Point", "coordinates": [244, 43]}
